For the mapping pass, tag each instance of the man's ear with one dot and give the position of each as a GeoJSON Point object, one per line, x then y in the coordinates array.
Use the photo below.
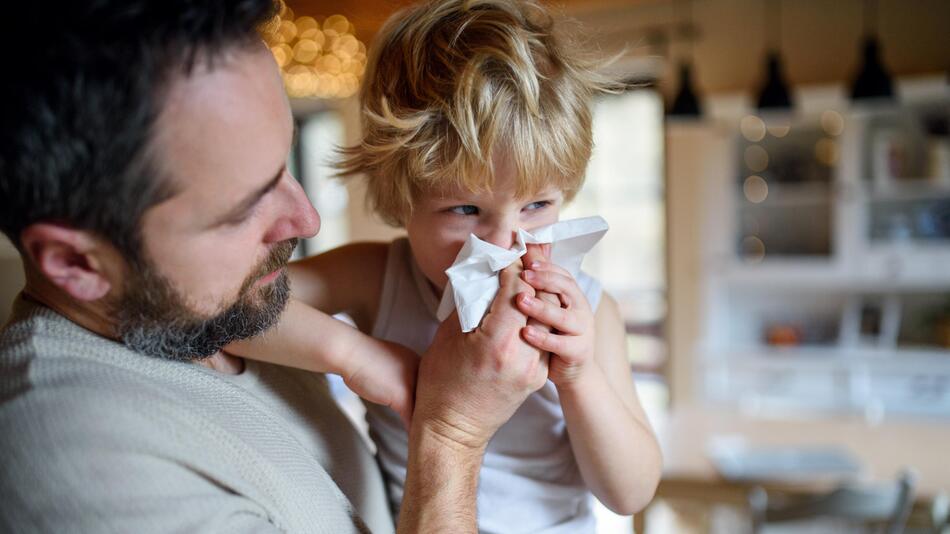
{"type": "Point", "coordinates": [76, 261]}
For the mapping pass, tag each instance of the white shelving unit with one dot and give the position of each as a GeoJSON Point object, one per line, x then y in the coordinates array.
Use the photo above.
{"type": "Point", "coordinates": [829, 290]}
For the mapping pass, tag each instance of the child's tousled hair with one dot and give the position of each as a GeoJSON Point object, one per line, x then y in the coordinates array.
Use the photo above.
{"type": "Point", "coordinates": [450, 84]}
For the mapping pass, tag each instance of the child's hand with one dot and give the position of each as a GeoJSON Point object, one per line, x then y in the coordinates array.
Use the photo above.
{"type": "Point", "coordinates": [385, 373]}
{"type": "Point", "coordinates": [571, 341]}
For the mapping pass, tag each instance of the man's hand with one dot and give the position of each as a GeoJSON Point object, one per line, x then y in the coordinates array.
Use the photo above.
{"type": "Point", "coordinates": [468, 386]}
{"type": "Point", "coordinates": [471, 384]}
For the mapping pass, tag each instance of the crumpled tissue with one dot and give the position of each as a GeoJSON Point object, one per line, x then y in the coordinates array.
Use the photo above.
{"type": "Point", "coordinates": [473, 277]}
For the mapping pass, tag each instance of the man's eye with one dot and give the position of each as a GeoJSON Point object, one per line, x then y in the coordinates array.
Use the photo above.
{"type": "Point", "coordinates": [467, 209]}
{"type": "Point", "coordinates": [538, 205]}
{"type": "Point", "coordinates": [242, 218]}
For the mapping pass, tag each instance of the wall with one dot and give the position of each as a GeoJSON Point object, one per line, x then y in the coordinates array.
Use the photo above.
{"type": "Point", "coordinates": [694, 153]}
{"type": "Point", "coordinates": [11, 276]}
{"type": "Point", "coordinates": [820, 39]}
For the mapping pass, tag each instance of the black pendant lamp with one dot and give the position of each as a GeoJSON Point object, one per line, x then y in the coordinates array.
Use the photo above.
{"type": "Point", "coordinates": [686, 103]}
{"type": "Point", "coordinates": [873, 82]}
{"type": "Point", "coordinates": [774, 95]}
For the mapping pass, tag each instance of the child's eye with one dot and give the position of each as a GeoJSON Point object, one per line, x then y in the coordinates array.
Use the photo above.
{"type": "Point", "coordinates": [538, 205]}
{"type": "Point", "coordinates": [467, 209]}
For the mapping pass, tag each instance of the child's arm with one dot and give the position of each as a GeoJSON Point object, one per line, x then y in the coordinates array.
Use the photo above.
{"type": "Point", "coordinates": [347, 279]}
{"type": "Point", "coordinates": [616, 450]}
{"type": "Point", "coordinates": [306, 338]}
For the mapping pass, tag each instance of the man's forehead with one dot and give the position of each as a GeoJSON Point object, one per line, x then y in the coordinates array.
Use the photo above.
{"type": "Point", "coordinates": [224, 129]}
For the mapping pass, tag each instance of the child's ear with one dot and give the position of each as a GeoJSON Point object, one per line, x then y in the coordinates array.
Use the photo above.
{"type": "Point", "coordinates": [76, 261]}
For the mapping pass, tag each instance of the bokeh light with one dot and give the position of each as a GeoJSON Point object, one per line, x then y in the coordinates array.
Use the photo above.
{"type": "Point", "coordinates": [832, 123]}
{"type": "Point", "coordinates": [755, 189]}
{"type": "Point", "coordinates": [752, 128]}
{"type": "Point", "coordinates": [756, 158]}
{"type": "Point", "coordinates": [317, 59]}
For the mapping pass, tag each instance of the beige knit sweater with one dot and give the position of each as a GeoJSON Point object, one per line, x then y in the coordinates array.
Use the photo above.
{"type": "Point", "coordinates": [97, 438]}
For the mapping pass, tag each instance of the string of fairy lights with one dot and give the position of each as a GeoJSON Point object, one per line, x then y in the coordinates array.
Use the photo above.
{"type": "Point", "coordinates": [317, 58]}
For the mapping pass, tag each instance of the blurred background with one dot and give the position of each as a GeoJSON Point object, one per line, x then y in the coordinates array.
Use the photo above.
{"type": "Point", "coordinates": [777, 181]}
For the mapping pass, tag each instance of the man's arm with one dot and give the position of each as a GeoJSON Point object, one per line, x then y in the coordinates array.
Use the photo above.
{"type": "Point", "coordinates": [441, 484]}
{"type": "Point", "coordinates": [468, 386]}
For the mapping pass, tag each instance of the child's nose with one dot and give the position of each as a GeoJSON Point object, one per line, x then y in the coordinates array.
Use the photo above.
{"type": "Point", "coordinates": [502, 236]}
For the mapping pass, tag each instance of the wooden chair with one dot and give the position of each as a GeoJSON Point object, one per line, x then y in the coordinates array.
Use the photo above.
{"type": "Point", "coordinates": [885, 508]}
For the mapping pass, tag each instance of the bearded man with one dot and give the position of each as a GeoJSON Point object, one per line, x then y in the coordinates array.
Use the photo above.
{"type": "Point", "coordinates": [143, 182]}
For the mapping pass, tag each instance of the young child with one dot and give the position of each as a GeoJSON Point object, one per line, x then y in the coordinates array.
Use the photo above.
{"type": "Point", "coordinates": [476, 121]}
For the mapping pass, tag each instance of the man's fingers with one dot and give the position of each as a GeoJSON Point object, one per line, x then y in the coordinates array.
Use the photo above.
{"type": "Point", "coordinates": [503, 311]}
{"type": "Point", "coordinates": [535, 253]}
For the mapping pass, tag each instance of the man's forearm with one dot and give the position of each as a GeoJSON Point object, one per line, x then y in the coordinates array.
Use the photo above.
{"type": "Point", "coordinates": [441, 484]}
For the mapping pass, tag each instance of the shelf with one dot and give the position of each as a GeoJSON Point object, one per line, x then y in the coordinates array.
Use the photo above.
{"type": "Point", "coordinates": [910, 190]}
{"type": "Point", "coordinates": [784, 279]}
{"type": "Point", "coordinates": [823, 357]}
{"type": "Point", "coordinates": [838, 255]}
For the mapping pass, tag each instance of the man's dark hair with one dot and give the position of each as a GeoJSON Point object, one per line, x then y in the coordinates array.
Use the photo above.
{"type": "Point", "coordinates": [84, 84]}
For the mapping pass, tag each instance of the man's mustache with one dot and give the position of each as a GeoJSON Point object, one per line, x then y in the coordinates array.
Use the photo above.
{"type": "Point", "coordinates": [278, 257]}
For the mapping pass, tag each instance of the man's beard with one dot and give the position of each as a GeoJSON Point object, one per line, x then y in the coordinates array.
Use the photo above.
{"type": "Point", "coordinates": [155, 319]}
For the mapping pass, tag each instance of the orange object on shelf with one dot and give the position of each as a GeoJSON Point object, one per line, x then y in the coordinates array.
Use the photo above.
{"type": "Point", "coordinates": [783, 335]}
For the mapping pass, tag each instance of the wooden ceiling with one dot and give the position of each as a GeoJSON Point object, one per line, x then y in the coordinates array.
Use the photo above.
{"type": "Point", "coordinates": [369, 15]}
{"type": "Point", "coordinates": [820, 40]}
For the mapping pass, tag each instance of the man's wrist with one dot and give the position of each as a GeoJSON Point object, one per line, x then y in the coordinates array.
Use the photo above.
{"type": "Point", "coordinates": [453, 433]}
{"type": "Point", "coordinates": [441, 483]}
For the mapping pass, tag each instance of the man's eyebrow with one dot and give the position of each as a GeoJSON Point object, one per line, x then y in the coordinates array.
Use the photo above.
{"type": "Point", "coordinates": [250, 200]}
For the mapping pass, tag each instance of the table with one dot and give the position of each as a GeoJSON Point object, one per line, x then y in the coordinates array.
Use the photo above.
{"type": "Point", "coordinates": [883, 449]}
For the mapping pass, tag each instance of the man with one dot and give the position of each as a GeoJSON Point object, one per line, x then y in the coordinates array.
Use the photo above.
{"type": "Point", "coordinates": [142, 180]}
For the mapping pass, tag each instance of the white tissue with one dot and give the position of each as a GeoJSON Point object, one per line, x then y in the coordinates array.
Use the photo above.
{"type": "Point", "coordinates": [473, 277]}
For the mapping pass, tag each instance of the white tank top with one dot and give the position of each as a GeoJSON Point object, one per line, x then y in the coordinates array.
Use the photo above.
{"type": "Point", "coordinates": [529, 480]}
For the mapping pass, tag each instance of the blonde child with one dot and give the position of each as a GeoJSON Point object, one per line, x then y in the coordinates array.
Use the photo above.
{"type": "Point", "coordinates": [476, 121]}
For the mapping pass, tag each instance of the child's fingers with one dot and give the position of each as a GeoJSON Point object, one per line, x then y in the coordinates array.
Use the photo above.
{"type": "Point", "coordinates": [546, 265]}
{"type": "Point", "coordinates": [563, 285]}
{"type": "Point", "coordinates": [563, 346]}
{"type": "Point", "coordinates": [550, 314]}
{"type": "Point", "coordinates": [540, 254]}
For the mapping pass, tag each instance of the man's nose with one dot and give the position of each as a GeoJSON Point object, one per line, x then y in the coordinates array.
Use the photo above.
{"type": "Point", "coordinates": [297, 217]}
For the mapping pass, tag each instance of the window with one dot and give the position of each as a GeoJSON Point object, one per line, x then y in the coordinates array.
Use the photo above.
{"type": "Point", "coordinates": [625, 185]}
{"type": "Point", "coordinates": [312, 162]}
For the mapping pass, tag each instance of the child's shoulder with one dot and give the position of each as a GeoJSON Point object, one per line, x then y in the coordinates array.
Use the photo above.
{"type": "Point", "coordinates": [592, 289]}
{"type": "Point", "coordinates": [347, 278]}
{"type": "Point", "coordinates": [362, 261]}
{"type": "Point", "coordinates": [360, 251]}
